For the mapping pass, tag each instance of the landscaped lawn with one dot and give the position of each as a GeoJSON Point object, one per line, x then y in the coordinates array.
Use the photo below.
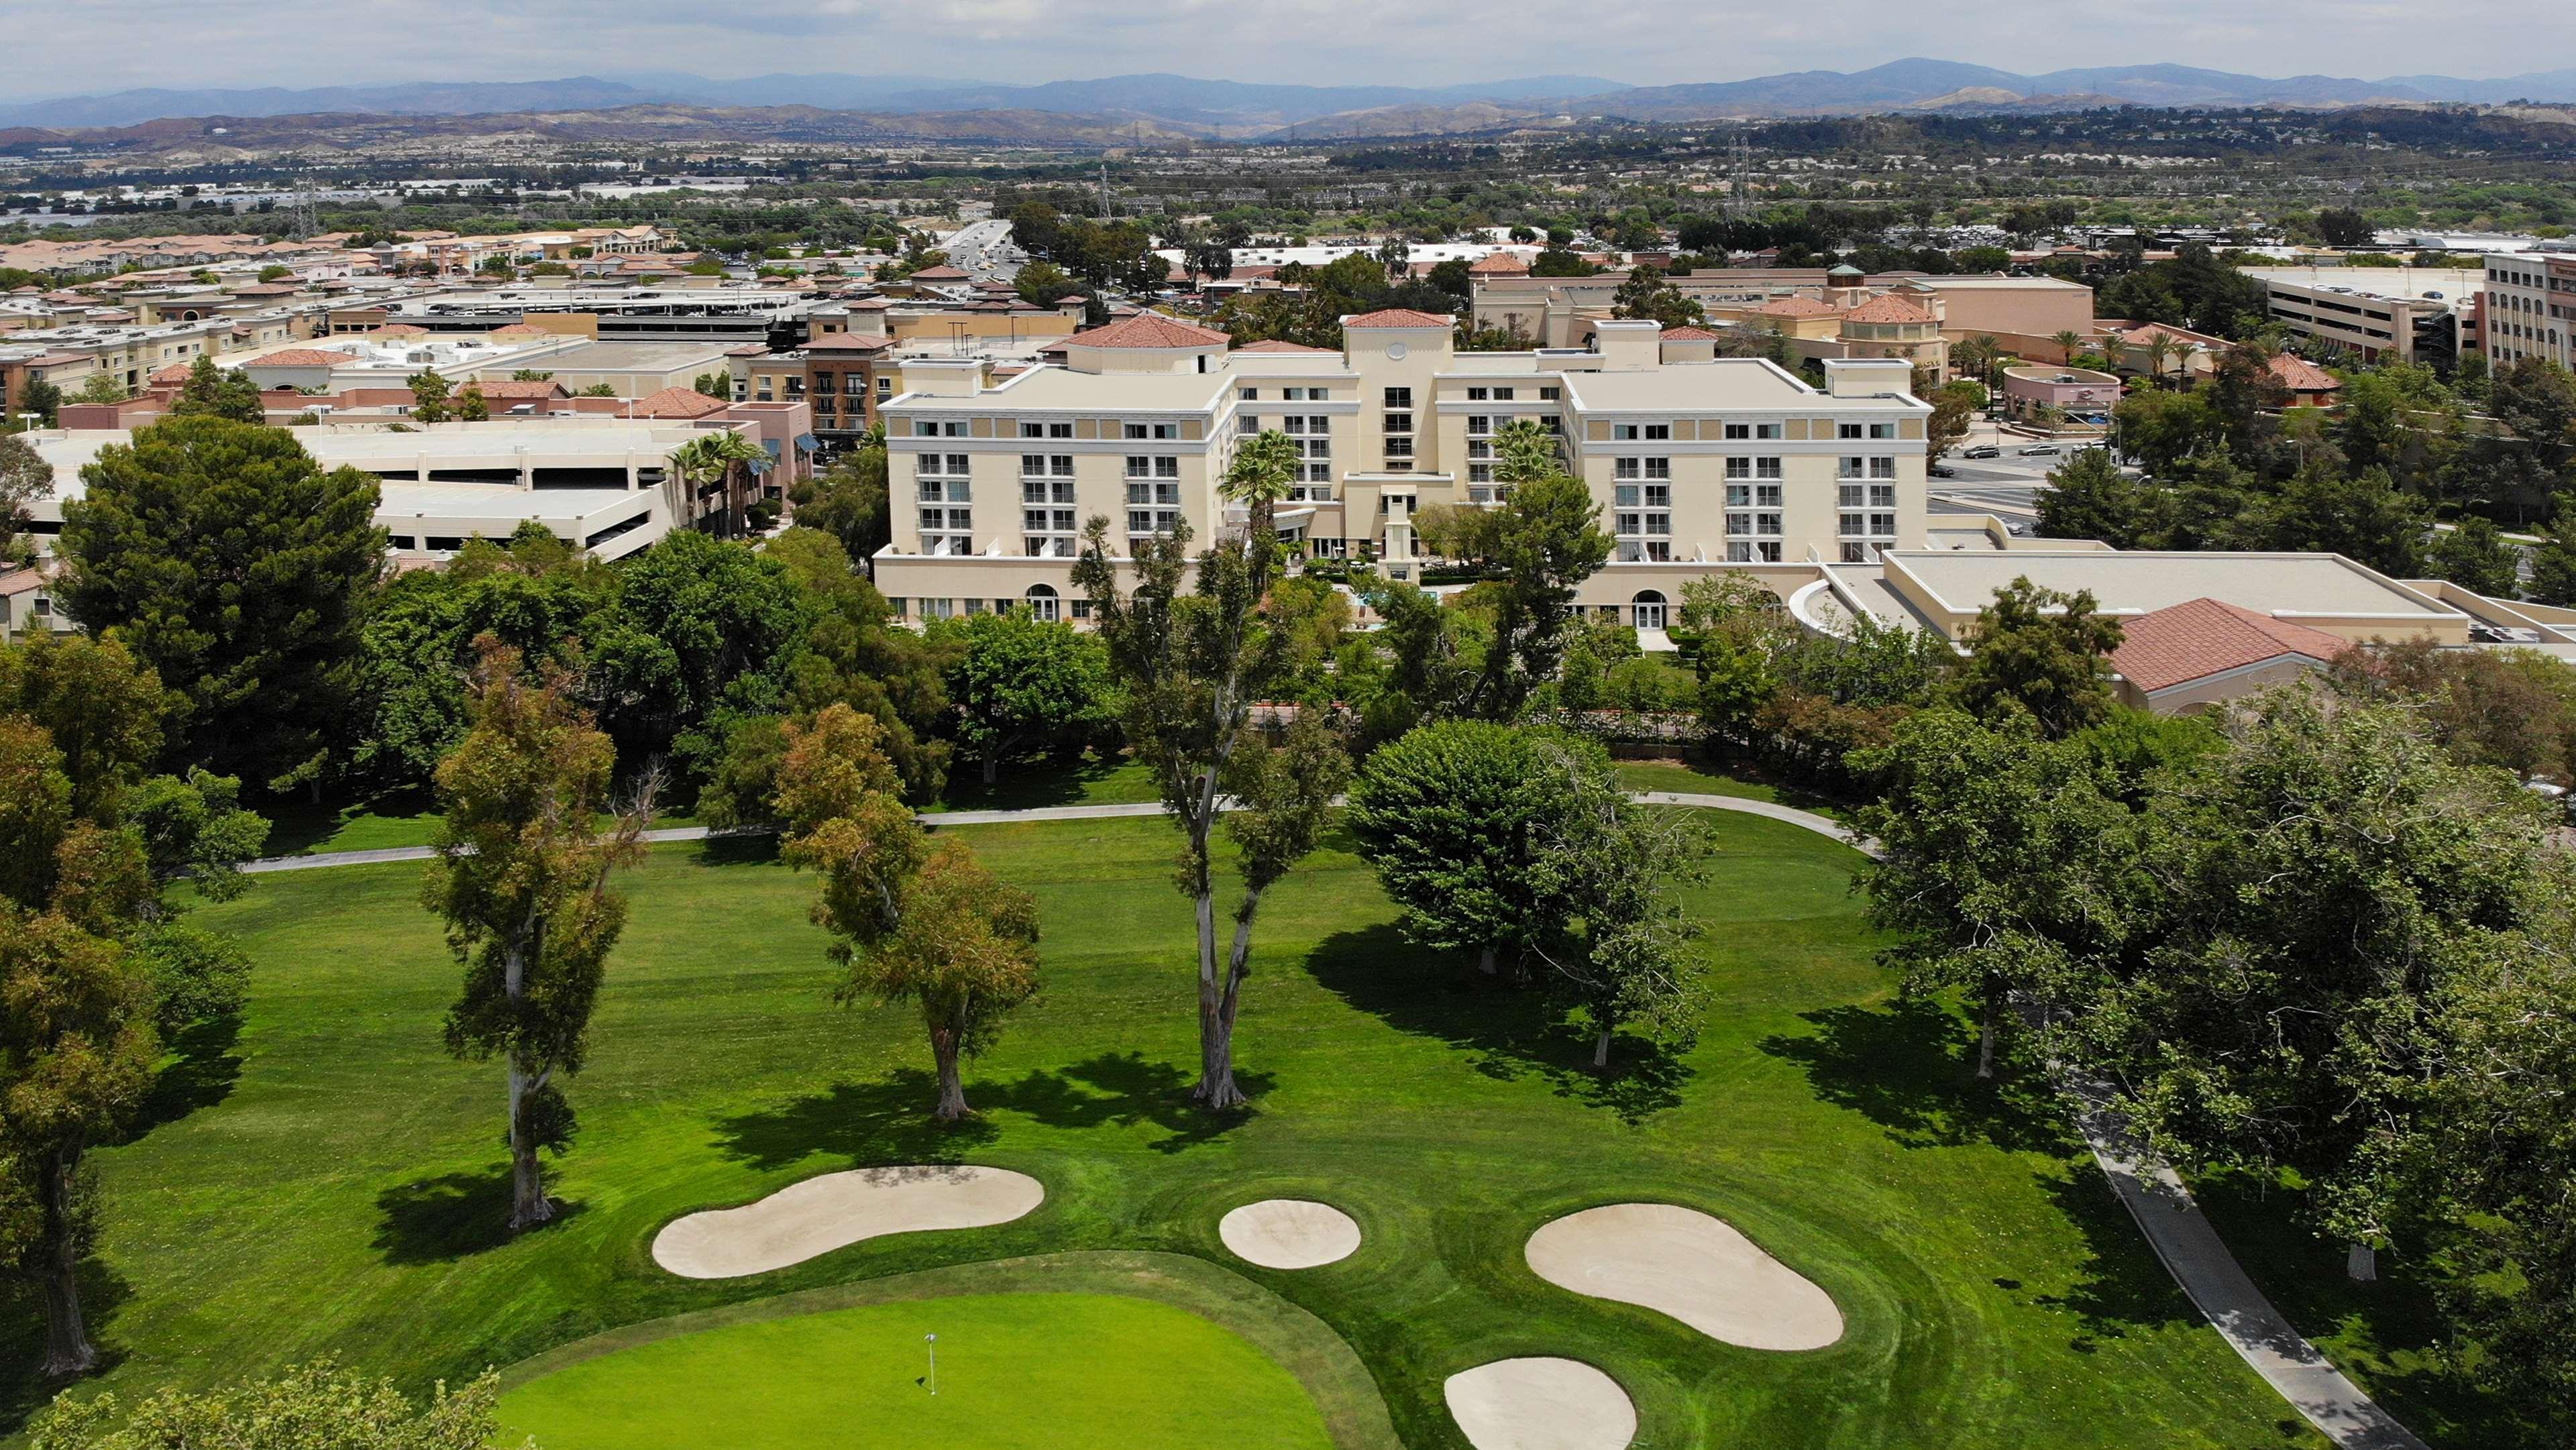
{"type": "Point", "coordinates": [332, 1180]}
{"type": "Point", "coordinates": [1036, 1371]}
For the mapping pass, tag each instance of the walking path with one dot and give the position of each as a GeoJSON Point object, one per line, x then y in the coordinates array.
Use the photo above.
{"type": "Point", "coordinates": [2173, 1224]}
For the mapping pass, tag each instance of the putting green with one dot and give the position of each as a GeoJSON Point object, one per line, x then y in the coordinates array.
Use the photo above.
{"type": "Point", "coordinates": [1015, 1371]}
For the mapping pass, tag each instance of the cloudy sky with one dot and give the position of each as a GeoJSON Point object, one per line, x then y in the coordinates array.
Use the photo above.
{"type": "Point", "coordinates": [59, 47]}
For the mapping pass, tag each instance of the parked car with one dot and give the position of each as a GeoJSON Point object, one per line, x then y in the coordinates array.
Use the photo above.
{"type": "Point", "coordinates": [1942, 470]}
{"type": "Point", "coordinates": [1983, 450]}
{"type": "Point", "coordinates": [2040, 450]}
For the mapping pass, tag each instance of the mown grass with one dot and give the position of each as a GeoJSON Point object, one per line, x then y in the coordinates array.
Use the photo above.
{"type": "Point", "coordinates": [332, 1180]}
{"type": "Point", "coordinates": [1016, 1371]}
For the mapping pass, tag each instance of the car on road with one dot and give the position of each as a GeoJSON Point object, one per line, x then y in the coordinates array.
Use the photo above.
{"type": "Point", "coordinates": [1983, 450]}
{"type": "Point", "coordinates": [1943, 470]}
{"type": "Point", "coordinates": [2040, 450]}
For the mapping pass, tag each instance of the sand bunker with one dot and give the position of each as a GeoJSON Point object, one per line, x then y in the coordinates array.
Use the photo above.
{"type": "Point", "coordinates": [837, 1210]}
{"type": "Point", "coordinates": [1686, 1264]}
{"type": "Point", "coordinates": [1289, 1233]}
{"type": "Point", "coordinates": [1540, 1404]}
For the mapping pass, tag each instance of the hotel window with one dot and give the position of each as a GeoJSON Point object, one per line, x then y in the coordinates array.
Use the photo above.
{"type": "Point", "coordinates": [1032, 430]}
{"type": "Point", "coordinates": [1882, 430]}
{"type": "Point", "coordinates": [1623, 432]}
{"type": "Point", "coordinates": [1658, 432]}
{"type": "Point", "coordinates": [1399, 422]}
{"type": "Point", "coordinates": [1246, 424]}
{"type": "Point", "coordinates": [1882, 468]}
{"type": "Point", "coordinates": [1739, 430]}
{"type": "Point", "coordinates": [1847, 430]}
{"type": "Point", "coordinates": [1626, 467]}
{"type": "Point", "coordinates": [1162, 431]}
{"type": "Point", "coordinates": [822, 383]}
{"type": "Point", "coordinates": [1399, 400]}
{"type": "Point", "coordinates": [1659, 468]}
{"type": "Point", "coordinates": [1249, 395]}
{"type": "Point", "coordinates": [855, 384]}
{"type": "Point", "coordinates": [885, 386]}
{"type": "Point", "coordinates": [1850, 468]}
{"type": "Point", "coordinates": [1478, 395]}
{"type": "Point", "coordinates": [1739, 468]}
{"type": "Point", "coordinates": [1502, 395]}
{"type": "Point", "coordinates": [1766, 430]}
{"type": "Point", "coordinates": [1479, 425]}
{"type": "Point", "coordinates": [1766, 468]}
{"type": "Point", "coordinates": [1550, 395]}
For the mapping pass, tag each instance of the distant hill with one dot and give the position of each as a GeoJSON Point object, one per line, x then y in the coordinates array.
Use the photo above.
{"type": "Point", "coordinates": [1164, 105]}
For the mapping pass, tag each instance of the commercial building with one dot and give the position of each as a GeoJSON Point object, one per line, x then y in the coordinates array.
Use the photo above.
{"type": "Point", "coordinates": [1700, 463]}
{"type": "Point", "coordinates": [2016, 311]}
{"type": "Point", "coordinates": [2378, 314]}
{"type": "Point", "coordinates": [2530, 306]}
{"type": "Point", "coordinates": [601, 484]}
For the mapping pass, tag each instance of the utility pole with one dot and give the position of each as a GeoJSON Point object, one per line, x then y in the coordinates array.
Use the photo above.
{"type": "Point", "coordinates": [1104, 189]}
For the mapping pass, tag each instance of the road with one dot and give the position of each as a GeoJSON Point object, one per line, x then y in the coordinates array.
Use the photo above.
{"type": "Point", "coordinates": [983, 248]}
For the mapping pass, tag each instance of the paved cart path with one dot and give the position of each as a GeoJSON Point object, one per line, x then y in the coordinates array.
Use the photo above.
{"type": "Point", "coordinates": [2173, 1224]}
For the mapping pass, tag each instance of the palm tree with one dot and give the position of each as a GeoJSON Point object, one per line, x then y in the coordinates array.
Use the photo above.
{"type": "Point", "coordinates": [1261, 474]}
{"type": "Point", "coordinates": [2068, 342]}
{"type": "Point", "coordinates": [691, 465]}
{"type": "Point", "coordinates": [2162, 349]}
{"type": "Point", "coordinates": [738, 460]}
{"type": "Point", "coordinates": [1524, 452]}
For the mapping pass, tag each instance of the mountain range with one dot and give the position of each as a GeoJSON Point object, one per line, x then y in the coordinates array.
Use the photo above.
{"type": "Point", "coordinates": [1241, 109]}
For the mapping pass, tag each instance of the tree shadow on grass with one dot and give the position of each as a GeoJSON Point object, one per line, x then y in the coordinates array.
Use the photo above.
{"type": "Point", "coordinates": [1910, 1067]}
{"type": "Point", "coordinates": [752, 848]}
{"type": "Point", "coordinates": [202, 1073]}
{"type": "Point", "coordinates": [869, 1123]}
{"type": "Point", "coordinates": [452, 1216]}
{"type": "Point", "coordinates": [1124, 1089]}
{"type": "Point", "coordinates": [1513, 1030]}
{"type": "Point", "coordinates": [2120, 1285]}
{"type": "Point", "coordinates": [1028, 785]}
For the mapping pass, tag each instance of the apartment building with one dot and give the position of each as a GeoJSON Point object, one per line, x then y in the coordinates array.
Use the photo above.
{"type": "Point", "coordinates": [1551, 311]}
{"type": "Point", "coordinates": [2530, 307]}
{"type": "Point", "coordinates": [1699, 463]}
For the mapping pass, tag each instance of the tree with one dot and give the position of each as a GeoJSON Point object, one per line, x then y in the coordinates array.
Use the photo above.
{"type": "Point", "coordinates": [1644, 294]}
{"type": "Point", "coordinates": [2318, 886]}
{"type": "Point", "coordinates": [849, 500]}
{"type": "Point", "coordinates": [2068, 342]}
{"type": "Point", "coordinates": [472, 407]}
{"type": "Point", "coordinates": [41, 398]}
{"type": "Point", "coordinates": [911, 922]}
{"type": "Point", "coordinates": [727, 457]}
{"type": "Point", "coordinates": [697, 627]}
{"type": "Point", "coordinates": [2473, 554]}
{"type": "Point", "coordinates": [1616, 938]}
{"type": "Point", "coordinates": [1549, 541]}
{"type": "Point", "coordinates": [1022, 684]}
{"type": "Point", "coordinates": [713, 385]}
{"type": "Point", "coordinates": [2358, 515]}
{"type": "Point", "coordinates": [316, 1406]}
{"type": "Point", "coordinates": [2553, 563]}
{"type": "Point", "coordinates": [1998, 862]}
{"type": "Point", "coordinates": [1976, 356]}
{"type": "Point", "coordinates": [233, 566]}
{"type": "Point", "coordinates": [521, 875]}
{"type": "Point", "coordinates": [224, 393]}
{"type": "Point", "coordinates": [1190, 665]}
{"type": "Point", "coordinates": [2038, 653]}
{"type": "Point", "coordinates": [25, 477]}
{"type": "Point", "coordinates": [90, 963]}
{"type": "Point", "coordinates": [1044, 284]}
{"type": "Point", "coordinates": [1955, 406]}
{"type": "Point", "coordinates": [102, 387]}
{"type": "Point", "coordinates": [2089, 497]}
{"type": "Point", "coordinates": [1449, 816]}
{"type": "Point", "coordinates": [429, 398]}
{"type": "Point", "coordinates": [2344, 227]}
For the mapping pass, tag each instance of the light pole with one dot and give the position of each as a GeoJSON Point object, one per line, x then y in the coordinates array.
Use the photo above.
{"type": "Point", "coordinates": [932, 1340]}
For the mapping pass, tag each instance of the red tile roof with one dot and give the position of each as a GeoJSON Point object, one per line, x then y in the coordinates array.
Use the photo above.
{"type": "Point", "coordinates": [1688, 334]}
{"type": "Point", "coordinates": [301, 357]}
{"type": "Point", "coordinates": [2203, 637]}
{"type": "Point", "coordinates": [1275, 344]}
{"type": "Point", "coordinates": [174, 373]}
{"type": "Point", "coordinates": [2303, 376]}
{"type": "Point", "coordinates": [848, 342]}
{"type": "Point", "coordinates": [1500, 264]}
{"type": "Point", "coordinates": [1887, 307]}
{"type": "Point", "coordinates": [939, 274]}
{"type": "Point", "coordinates": [1398, 317]}
{"type": "Point", "coordinates": [520, 329]}
{"type": "Point", "coordinates": [1148, 329]}
{"type": "Point", "coordinates": [676, 403]}
{"type": "Point", "coordinates": [2144, 333]}
{"type": "Point", "coordinates": [401, 329]}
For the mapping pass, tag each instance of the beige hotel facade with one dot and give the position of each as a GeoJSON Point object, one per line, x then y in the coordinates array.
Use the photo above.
{"type": "Point", "coordinates": [1700, 463]}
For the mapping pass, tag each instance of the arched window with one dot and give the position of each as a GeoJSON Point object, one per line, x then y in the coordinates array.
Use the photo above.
{"type": "Point", "coordinates": [1648, 609]}
{"type": "Point", "coordinates": [1044, 604]}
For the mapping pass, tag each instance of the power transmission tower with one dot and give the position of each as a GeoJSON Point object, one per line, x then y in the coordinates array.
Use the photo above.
{"type": "Point", "coordinates": [1104, 190]}
{"type": "Point", "coordinates": [1739, 177]}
